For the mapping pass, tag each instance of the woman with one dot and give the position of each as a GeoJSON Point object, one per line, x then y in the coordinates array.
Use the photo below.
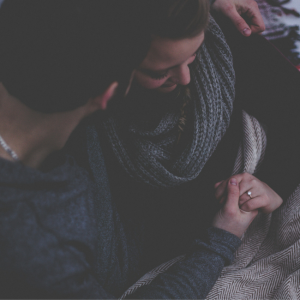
{"type": "Point", "coordinates": [163, 147]}
{"type": "Point", "coordinates": [171, 140]}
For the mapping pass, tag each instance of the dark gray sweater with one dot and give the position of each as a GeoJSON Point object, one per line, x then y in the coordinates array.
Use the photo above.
{"type": "Point", "coordinates": [61, 237]}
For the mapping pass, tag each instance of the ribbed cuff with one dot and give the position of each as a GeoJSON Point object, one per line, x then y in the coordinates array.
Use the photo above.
{"type": "Point", "coordinates": [220, 242]}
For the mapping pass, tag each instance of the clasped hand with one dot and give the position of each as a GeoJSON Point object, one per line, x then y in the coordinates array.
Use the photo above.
{"type": "Point", "coordinates": [239, 209]}
{"type": "Point", "coordinates": [262, 196]}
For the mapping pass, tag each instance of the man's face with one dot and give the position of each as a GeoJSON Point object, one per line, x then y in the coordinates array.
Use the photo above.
{"type": "Point", "coordinates": [167, 63]}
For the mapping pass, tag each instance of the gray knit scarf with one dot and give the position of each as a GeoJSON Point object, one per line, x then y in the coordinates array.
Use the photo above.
{"type": "Point", "coordinates": [146, 143]}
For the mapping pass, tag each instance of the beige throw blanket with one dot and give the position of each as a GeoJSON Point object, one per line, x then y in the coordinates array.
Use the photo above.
{"type": "Point", "coordinates": [267, 264]}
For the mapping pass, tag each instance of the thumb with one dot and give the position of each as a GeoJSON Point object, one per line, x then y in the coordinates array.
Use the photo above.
{"type": "Point", "coordinates": [233, 194]}
{"type": "Point", "coordinates": [217, 184]}
{"type": "Point", "coordinates": [238, 21]}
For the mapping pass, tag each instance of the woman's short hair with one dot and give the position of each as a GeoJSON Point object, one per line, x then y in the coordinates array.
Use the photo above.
{"type": "Point", "coordinates": [176, 19]}
{"type": "Point", "coordinates": [57, 54]}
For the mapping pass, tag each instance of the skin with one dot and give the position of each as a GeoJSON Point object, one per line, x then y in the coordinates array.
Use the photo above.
{"type": "Point", "coordinates": [34, 135]}
{"type": "Point", "coordinates": [231, 217]}
{"type": "Point", "coordinates": [263, 197]}
{"type": "Point", "coordinates": [172, 57]}
{"type": "Point", "coordinates": [168, 57]}
{"type": "Point", "coordinates": [168, 60]}
{"type": "Point", "coordinates": [238, 11]}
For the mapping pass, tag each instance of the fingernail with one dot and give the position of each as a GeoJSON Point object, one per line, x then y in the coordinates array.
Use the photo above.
{"type": "Point", "coordinates": [247, 31]}
{"type": "Point", "coordinates": [233, 181]}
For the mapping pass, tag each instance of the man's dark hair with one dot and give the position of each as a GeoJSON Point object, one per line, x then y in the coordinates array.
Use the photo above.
{"type": "Point", "coordinates": [57, 54]}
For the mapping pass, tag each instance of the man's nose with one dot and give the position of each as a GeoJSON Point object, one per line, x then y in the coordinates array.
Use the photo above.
{"type": "Point", "coordinates": [182, 75]}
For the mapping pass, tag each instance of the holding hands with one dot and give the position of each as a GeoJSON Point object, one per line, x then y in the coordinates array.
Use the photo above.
{"type": "Point", "coordinates": [254, 194]}
{"type": "Point", "coordinates": [242, 196]}
{"type": "Point", "coordinates": [230, 217]}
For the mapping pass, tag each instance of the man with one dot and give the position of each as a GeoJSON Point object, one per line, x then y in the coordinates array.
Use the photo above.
{"type": "Point", "coordinates": [60, 61]}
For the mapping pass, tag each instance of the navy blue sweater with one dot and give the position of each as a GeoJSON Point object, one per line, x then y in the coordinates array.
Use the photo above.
{"type": "Point", "coordinates": [61, 237]}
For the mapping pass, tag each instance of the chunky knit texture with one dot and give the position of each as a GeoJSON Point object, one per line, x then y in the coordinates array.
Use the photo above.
{"type": "Point", "coordinates": [150, 155]}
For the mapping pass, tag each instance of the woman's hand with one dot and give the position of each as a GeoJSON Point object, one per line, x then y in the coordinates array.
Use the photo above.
{"type": "Point", "coordinates": [230, 217]}
{"type": "Point", "coordinates": [241, 12]}
{"type": "Point", "coordinates": [262, 196]}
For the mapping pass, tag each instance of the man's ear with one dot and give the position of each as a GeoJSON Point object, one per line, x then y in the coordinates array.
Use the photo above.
{"type": "Point", "coordinates": [101, 101]}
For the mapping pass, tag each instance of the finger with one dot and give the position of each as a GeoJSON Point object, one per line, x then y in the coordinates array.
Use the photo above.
{"type": "Point", "coordinates": [233, 195]}
{"type": "Point", "coordinates": [217, 184]}
{"type": "Point", "coordinates": [238, 21]}
{"type": "Point", "coordinates": [245, 186]}
{"type": "Point", "coordinates": [240, 177]}
{"type": "Point", "coordinates": [221, 190]}
{"type": "Point", "coordinates": [250, 182]}
{"type": "Point", "coordinates": [245, 197]}
{"type": "Point", "coordinates": [253, 204]}
{"type": "Point", "coordinates": [251, 214]}
{"type": "Point", "coordinates": [258, 26]}
{"type": "Point", "coordinates": [256, 21]}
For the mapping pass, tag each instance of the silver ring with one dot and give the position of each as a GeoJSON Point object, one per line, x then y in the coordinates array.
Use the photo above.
{"type": "Point", "coordinates": [249, 194]}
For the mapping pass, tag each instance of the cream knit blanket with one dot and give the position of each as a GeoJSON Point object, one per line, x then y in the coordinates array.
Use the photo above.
{"type": "Point", "coordinates": [267, 264]}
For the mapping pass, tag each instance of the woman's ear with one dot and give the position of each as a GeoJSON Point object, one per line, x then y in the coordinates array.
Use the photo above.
{"type": "Point", "coordinates": [100, 102]}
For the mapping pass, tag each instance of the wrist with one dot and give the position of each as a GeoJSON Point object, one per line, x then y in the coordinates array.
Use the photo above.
{"type": "Point", "coordinates": [232, 230]}
{"type": "Point", "coordinates": [219, 241]}
{"type": "Point", "coordinates": [225, 224]}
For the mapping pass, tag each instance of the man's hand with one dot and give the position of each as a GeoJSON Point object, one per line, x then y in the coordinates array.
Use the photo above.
{"type": "Point", "coordinates": [262, 196]}
{"type": "Point", "coordinates": [230, 217]}
{"type": "Point", "coordinates": [243, 13]}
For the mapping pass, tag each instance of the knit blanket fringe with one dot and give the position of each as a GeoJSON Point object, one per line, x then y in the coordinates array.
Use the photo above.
{"type": "Point", "coordinates": [267, 264]}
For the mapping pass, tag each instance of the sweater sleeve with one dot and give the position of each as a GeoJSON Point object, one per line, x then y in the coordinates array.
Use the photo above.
{"type": "Point", "coordinates": [194, 277]}
{"type": "Point", "coordinates": [36, 263]}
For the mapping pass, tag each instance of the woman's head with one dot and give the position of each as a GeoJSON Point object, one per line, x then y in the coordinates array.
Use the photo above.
{"type": "Point", "coordinates": [177, 29]}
